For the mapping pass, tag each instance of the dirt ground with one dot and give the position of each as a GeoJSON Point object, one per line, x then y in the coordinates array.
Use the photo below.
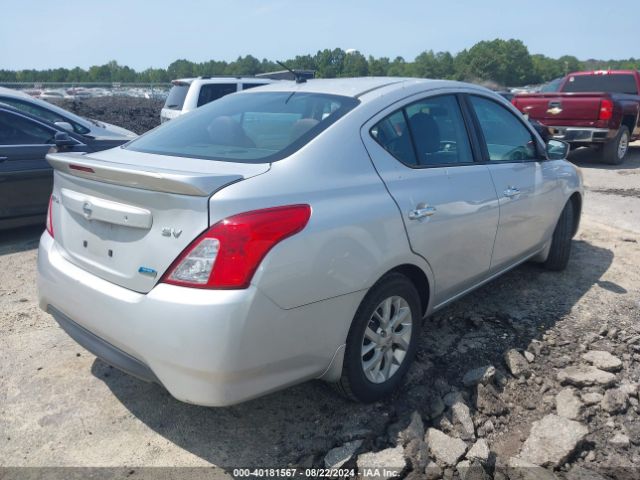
{"type": "Point", "coordinates": [60, 406]}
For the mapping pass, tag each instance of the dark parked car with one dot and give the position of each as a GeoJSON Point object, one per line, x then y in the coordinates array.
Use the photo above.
{"type": "Point", "coordinates": [25, 176]}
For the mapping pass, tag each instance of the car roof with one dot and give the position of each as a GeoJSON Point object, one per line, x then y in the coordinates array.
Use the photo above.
{"type": "Point", "coordinates": [222, 79]}
{"type": "Point", "coordinates": [359, 87]}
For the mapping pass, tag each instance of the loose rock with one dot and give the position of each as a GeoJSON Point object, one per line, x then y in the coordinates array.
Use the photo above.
{"type": "Point", "coordinates": [338, 456]}
{"type": "Point", "coordinates": [416, 452]}
{"type": "Point", "coordinates": [444, 448]}
{"type": "Point", "coordinates": [516, 363]}
{"type": "Point", "coordinates": [479, 451]}
{"type": "Point", "coordinates": [479, 375]}
{"type": "Point", "coordinates": [568, 405]}
{"type": "Point", "coordinates": [461, 419]}
{"type": "Point", "coordinates": [529, 356]}
{"type": "Point", "coordinates": [552, 440]}
{"type": "Point", "coordinates": [488, 401]}
{"type": "Point", "coordinates": [391, 459]}
{"type": "Point", "coordinates": [620, 440]}
{"type": "Point", "coordinates": [591, 398]}
{"type": "Point", "coordinates": [615, 401]}
{"type": "Point", "coordinates": [603, 360]}
{"type": "Point", "coordinates": [584, 376]}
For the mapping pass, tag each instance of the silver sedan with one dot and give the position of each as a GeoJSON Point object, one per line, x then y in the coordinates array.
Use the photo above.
{"type": "Point", "coordinates": [299, 231]}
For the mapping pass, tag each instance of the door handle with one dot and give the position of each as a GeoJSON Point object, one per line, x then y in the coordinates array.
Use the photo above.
{"type": "Point", "coordinates": [2, 159]}
{"type": "Point", "coordinates": [422, 212]}
{"type": "Point", "coordinates": [511, 192]}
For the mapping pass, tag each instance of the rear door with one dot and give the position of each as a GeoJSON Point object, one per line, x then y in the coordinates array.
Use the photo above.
{"type": "Point", "coordinates": [526, 183]}
{"type": "Point", "coordinates": [448, 202]}
{"type": "Point", "coordinates": [25, 175]}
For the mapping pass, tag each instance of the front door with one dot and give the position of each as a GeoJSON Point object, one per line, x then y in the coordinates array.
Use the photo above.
{"type": "Point", "coordinates": [525, 182]}
{"type": "Point", "coordinates": [448, 203]}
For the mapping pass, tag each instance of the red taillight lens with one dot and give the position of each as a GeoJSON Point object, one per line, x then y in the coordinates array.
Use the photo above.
{"type": "Point", "coordinates": [49, 219]}
{"type": "Point", "coordinates": [606, 109]}
{"type": "Point", "coordinates": [514, 102]}
{"type": "Point", "coordinates": [228, 254]}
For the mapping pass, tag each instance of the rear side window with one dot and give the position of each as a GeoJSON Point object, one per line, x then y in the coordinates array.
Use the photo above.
{"type": "Point", "coordinates": [42, 113]}
{"type": "Point", "coordinates": [257, 127]}
{"type": "Point", "coordinates": [506, 138]}
{"type": "Point", "coordinates": [392, 133]}
{"type": "Point", "coordinates": [177, 94]}
{"type": "Point", "coordinates": [214, 91]}
{"type": "Point", "coordinates": [608, 83]}
{"type": "Point", "coordinates": [18, 130]}
{"type": "Point", "coordinates": [429, 132]}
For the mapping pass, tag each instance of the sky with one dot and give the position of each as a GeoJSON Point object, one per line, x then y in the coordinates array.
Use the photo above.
{"type": "Point", "coordinates": [44, 34]}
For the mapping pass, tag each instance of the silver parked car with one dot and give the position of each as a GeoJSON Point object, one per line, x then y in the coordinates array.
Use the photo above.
{"type": "Point", "coordinates": [299, 231]}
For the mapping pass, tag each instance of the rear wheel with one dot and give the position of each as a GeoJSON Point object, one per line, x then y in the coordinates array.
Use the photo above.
{"type": "Point", "coordinates": [561, 241]}
{"type": "Point", "coordinates": [382, 340]}
{"type": "Point", "coordinates": [614, 151]}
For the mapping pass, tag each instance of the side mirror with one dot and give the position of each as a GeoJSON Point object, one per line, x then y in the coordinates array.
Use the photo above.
{"type": "Point", "coordinates": [62, 139]}
{"type": "Point", "coordinates": [64, 125]}
{"type": "Point", "coordinates": [557, 150]}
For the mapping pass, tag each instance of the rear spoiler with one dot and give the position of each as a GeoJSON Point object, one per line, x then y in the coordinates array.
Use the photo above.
{"type": "Point", "coordinates": [169, 181]}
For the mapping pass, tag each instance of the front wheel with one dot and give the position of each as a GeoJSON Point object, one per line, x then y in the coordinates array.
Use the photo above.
{"type": "Point", "coordinates": [561, 241]}
{"type": "Point", "coordinates": [614, 151]}
{"type": "Point", "coordinates": [382, 340]}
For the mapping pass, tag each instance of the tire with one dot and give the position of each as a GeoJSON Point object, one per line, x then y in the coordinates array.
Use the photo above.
{"type": "Point", "coordinates": [561, 240]}
{"type": "Point", "coordinates": [613, 152]}
{"type": "Point", "coordinates": [399, 296]}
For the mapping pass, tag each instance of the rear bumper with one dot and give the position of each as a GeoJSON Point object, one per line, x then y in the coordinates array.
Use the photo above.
{"type": "Point", "coordinates": [205, 347]}
{"type": "Point", "coordinates": [580, 134]}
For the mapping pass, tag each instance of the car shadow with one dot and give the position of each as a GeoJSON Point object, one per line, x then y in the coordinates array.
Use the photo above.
{"type": "Point", "coordinates": [298, 425]}
{"type": "Point", "coordinates": [20, 239]}
{"type": "Point", "coordinates": [587, 157]}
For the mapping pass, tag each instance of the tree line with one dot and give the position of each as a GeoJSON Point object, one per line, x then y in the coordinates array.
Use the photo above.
{"type": "Point", "coordinates": [503, 62]}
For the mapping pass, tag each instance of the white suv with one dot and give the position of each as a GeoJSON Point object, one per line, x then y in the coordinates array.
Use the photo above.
{"type": "Point", "coordinates": [190, 93]}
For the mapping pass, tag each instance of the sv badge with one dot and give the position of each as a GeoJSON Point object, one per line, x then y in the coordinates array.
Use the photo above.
{"type": "Point", "coordinates": [171, 232]}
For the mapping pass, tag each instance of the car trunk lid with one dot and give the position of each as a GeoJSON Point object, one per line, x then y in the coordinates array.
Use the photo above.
{"type": "Point", "coordinates": [125, 216]}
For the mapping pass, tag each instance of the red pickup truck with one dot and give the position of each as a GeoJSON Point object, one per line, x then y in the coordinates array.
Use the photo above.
{"type": "Point", "coordinates": [600, 109]}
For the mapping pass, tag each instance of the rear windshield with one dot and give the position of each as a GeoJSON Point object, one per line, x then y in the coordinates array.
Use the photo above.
{"type": "Point", "coordinates": [214, 91]}
{"type": "Point", "coordinates": [256, 127]}
{"type": "Point", "coordinates": [176, 97]}
{"type": "Point", "coordinates": [609, 83]}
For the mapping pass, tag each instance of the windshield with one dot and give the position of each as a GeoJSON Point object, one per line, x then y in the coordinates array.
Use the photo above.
{"type": "Point", "coordinates": [177, 94]}
{"type": "Point", "coordinates": [608, 83]}
{"type": "Point", "coordinates": [257, 127]}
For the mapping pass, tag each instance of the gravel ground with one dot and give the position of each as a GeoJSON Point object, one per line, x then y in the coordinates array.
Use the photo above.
{"type": "Point", "coordinates": [60, 406]}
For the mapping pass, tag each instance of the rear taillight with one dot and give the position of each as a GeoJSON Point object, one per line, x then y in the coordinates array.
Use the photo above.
{"type": "Point", "coordinates": [606, 109]}
{"type": "Point", "coordinates": [228, 254]}
{"type": "Point", "coordinates": [514, 102]}
{"type": "Point", "coordinates": [49, 219]}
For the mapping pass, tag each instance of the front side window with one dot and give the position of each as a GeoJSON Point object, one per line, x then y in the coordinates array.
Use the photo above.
{"type": "Point", "coordinates": [17, 130]}
{"type": "Point", "coordinates": [214, 91]}
{"type": "Point", "coordinates": [246, 86]}
{"type": "Point", "coordinates": [506, 138]}
{"type": "Point", "coordinates": [429, 132]}
{"type": "Point", "coordinates": [42, 113]}
{"type": "Point", "coordinates": [257, 127]}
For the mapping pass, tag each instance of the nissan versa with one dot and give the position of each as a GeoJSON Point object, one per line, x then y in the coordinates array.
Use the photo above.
{"type": "Point", "coordinates": [298, 231]}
